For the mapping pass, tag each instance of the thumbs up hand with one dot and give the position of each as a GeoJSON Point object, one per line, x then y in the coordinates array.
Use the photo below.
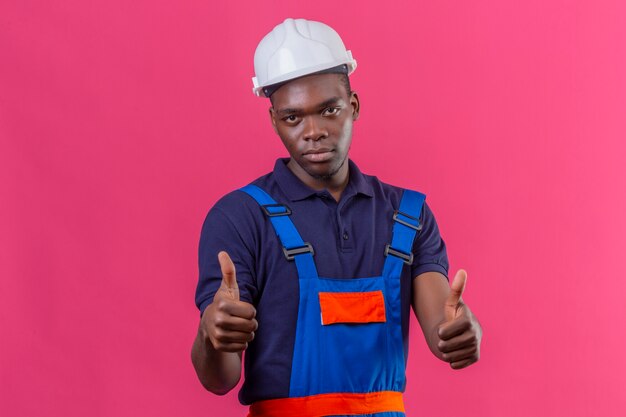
{"type": "Point", "coordinates": [228, 323]}
{"type": "Point", "coordinates": [460, 334]}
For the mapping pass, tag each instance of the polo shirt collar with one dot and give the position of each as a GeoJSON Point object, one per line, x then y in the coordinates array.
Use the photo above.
{"type": "Point", "coordinates": [296, 190]}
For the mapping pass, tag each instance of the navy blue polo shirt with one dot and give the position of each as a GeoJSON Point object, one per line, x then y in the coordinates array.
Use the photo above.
{"type": "Point", "coordinates": [348, 237]}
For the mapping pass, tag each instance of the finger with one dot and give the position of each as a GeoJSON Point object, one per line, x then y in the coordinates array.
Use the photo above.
{"type": "Point", "coordinates": [227, 337]}
{"type": "Point", "coordinates": [453, 328]}
{"type": "Point", "coordinates": [459, 342]}
{"type": "Point", "coordinates": [236, 324]}
{"type": "Point", "coordinates": [457, 288]}
{"type": "Point", "coordinates": [461, 354]}
{"type": "Point", "coordinates": [239, 309]}
{"type": "Point", "coordinates": [229, 279]}
{"type": "Point", "coordinates": [230, 347]}
{"type": "Point", "coordinates": [462, 364]}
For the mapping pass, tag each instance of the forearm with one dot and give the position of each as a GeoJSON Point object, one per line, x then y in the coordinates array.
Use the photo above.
{"type": "Point", "coordinates": [219, 372]}
{"type": "Point", "coordinates": [429, 294]}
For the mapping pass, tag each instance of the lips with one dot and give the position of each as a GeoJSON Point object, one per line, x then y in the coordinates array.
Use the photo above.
{"type": "Point", "coordinates": [318, 155]}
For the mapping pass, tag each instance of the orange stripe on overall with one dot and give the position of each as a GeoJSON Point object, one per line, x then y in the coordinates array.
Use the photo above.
{"type": "Point", "coordinates": [329, 404]}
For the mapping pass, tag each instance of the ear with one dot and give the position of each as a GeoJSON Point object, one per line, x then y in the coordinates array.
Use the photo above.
{"type": "Point", "coordinates": [273, 118]}
{"type": "Point", "coordinates": [356, 105]}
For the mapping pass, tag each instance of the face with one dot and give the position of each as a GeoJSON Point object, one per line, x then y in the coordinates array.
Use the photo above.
{"type": "Point", "coordinates": [313, 116]}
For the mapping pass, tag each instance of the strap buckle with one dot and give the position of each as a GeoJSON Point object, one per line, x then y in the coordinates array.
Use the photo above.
{"type": "Point", "coordinates": [290, 254]}
{"type": "Point", "coordinates": [286, 212]}
{"type": "Point", "coordinates": [404, 222]}
{"type": "Point", "coordinates": [407, 258]}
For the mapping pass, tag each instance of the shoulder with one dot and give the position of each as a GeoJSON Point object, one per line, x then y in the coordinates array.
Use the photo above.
{"type": "Point", "coordinates": [237, 207]}
{"type": "Point", "coordinates": [385, 191]}
{"type": "Point", "coordinates": [235, 204]}
{"type": "Point", "coordinates": [389, 197]}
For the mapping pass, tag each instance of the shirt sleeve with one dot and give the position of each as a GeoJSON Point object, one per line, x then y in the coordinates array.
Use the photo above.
{"type": "Point", "coordinates": [429, 249]}
{"type": "Point", "coordinates": [220, 233]}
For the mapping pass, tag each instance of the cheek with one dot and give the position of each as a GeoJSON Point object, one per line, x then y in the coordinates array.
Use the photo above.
{"type": "Point", "coordinates": [346, 128]}
{"type": "Point", "coordinates": [289, 142]}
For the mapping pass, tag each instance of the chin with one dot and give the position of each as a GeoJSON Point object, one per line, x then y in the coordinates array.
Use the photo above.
{"type": "Point", "coordinates": [326, 172]}
{"type": "Point", "coordinates": [319, 174]}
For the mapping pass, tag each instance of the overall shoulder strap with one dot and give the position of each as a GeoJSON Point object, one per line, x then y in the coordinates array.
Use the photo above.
{"type": "Point", "coordinates": [294, 248]}
{"type": "Point", "coordinates": [406, 224]}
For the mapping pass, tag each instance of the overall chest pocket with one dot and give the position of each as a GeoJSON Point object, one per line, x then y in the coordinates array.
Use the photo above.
{"type": "Point", "coordinates": [352, 307]}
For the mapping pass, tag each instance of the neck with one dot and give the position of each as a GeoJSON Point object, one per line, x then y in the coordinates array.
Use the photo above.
{"type": "Point", "coordinates": [335, 184]}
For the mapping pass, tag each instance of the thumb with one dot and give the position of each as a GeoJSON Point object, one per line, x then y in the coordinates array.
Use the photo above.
{"type": "Point", "coordinates": [229, 279]}
{"type": "Point", "coordinates": [456, 291]}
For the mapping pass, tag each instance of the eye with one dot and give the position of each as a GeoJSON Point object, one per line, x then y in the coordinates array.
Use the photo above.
{"type": "Point", "coordinates": [291, 119]}
{"type": "Point", "coordinates": [331, 111]}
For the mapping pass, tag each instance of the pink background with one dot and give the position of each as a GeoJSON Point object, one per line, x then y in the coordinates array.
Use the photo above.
{"type": "Point", "coordinates": [122, 122]}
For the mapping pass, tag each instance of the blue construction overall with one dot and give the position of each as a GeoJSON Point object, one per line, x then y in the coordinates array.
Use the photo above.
{"type": "Point", "coordinates": [348, 354]}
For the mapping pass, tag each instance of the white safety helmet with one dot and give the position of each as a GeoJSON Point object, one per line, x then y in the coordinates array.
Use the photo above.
{"type": "Point", "coordinates": [296, 48]}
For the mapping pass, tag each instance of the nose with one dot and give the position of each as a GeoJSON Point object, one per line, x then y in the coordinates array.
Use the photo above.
{"type": "Point", "coordinates": [314, 129]}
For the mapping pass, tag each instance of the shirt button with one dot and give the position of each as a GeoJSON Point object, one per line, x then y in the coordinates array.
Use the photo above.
{"type": "Point", "coordinates": [345, 235]}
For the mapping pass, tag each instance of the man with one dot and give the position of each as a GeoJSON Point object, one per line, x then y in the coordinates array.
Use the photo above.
{"type": "Point", "coordinates": [312, 269]}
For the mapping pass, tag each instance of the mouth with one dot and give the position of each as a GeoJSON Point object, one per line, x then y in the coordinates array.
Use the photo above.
{"type": "Point", "coordinates": [318, 155]}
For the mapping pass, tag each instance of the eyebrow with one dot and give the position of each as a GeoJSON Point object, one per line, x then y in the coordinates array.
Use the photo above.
{"type": "Point", "coordinates": [327, 103]}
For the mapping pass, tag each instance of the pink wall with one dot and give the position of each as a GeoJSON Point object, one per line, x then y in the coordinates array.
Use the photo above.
{"type": "Point", "coordinates": [121, 123]}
